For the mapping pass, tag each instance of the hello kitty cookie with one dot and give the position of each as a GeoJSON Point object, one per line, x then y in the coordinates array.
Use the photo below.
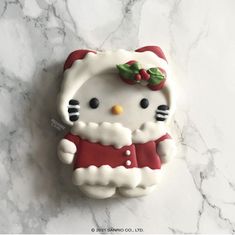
{"type": "Point", "coordinates": [118, 104]}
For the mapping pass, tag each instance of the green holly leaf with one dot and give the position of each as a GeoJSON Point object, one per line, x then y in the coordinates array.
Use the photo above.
{"type": "Point", "coordinates": [154, 81]}
{"type": "Point", "coordinates": [135, 67]}
{"type": "Point", "coordinates": [125, 71]}
{"type": "Point", "coordinates": [153, 71]}
{"type": "Point", "coordinates": [156, 76]}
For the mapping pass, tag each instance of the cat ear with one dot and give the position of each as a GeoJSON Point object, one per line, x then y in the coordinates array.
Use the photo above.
{"type": "Point", "coordinates": [155, 49]}
{"type": "Point", "coordinates": [76, 55]}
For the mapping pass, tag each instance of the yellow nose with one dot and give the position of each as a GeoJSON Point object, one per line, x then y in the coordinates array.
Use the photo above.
{"type": "Point", "coordinates": [117, 109]}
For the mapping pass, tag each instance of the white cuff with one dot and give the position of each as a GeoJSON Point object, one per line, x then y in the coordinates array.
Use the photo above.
{"type": "Point", "coordinates": [66, 151]}
{"type": "Point", "coordinates": [166, 150]}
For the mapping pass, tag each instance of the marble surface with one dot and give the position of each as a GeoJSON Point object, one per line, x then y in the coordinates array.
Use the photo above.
{"type": "Point", "coordinates": [198, 193]}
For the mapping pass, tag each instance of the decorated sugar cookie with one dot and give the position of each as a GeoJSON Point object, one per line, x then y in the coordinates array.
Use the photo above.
{"type": "Point", "coordinates": [118, 104]}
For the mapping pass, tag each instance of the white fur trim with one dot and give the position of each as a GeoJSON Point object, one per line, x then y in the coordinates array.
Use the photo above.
{"type": "Point", "coordinates": [119, 176]}
{"type": "Point", "coordinates": [67, 146]}
{"type": "Point", "coordinates": [149, 131]}
{"type": "Point", "coordinates": [166, 150]}
{"type": "Point", "coordinates": [105, 133]}
{"type": "Point", "coordinates": [94, 64]}
{"type": "Point", "coordinates": [98, 192]}
{"type": "Point", "coordinates": [136, 192]}
{"type": "Point", "coordinates": [117, 135]}
{"type": "Point", "coordinates": [66, 158]}
{"type": "Point", "coordinates": [66, 150]}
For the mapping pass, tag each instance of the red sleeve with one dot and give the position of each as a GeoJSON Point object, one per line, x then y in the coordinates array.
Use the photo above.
{"type": "Point", "coordinates": [164, 137]}
{"type": "Point", "coordinates": [73, 138]}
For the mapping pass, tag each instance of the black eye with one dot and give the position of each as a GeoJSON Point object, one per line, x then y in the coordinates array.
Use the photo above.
{"type": "Point", "coordinates": [94, 103]}
{"type": "Point", "coordinates": [144, 103]}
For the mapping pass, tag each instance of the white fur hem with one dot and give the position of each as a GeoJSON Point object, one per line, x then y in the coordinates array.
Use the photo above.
{"type": "Point", "coordinates": [118, 177]}
{"type": "Point", "coordinates": [116, 134]}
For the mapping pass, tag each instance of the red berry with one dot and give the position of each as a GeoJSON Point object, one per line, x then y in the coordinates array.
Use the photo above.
{"type": "Point", "coordinates": [137, 77]}
{"type": "Point", "coordinates": [144, 74]}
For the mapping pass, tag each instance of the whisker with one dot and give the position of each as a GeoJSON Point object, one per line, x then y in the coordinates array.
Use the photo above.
{"type": "Point", "coordinates": [163, 107]}
{"type": "Point", "coordinates": [72, 110]}
{"type": "Point", "coordinates": [160, 119]}
{"type": "Point", "coordinates": [73, 102]}
{"type": "Point", "coordinates": [74, 118]}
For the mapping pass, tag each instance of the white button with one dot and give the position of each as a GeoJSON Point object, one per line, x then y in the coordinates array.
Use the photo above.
{"type": "Point", "coordinates": [128, 152]}
{"type": "Point", "coordinates": [128, 162]}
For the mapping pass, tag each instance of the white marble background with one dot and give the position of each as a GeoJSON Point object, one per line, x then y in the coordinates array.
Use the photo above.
{"type": "Point", "coordinates": [198, 36]}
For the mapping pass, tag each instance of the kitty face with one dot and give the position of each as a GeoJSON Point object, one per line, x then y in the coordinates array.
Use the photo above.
{"type": "Point", "coordinates": [106, 98]}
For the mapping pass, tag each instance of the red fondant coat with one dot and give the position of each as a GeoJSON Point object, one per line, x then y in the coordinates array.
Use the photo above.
{"type": "Point", "coordinates": [134, 155]}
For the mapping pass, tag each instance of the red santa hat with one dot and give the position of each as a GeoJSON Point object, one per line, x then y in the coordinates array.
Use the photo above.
{"type": "Point", "coordinates": [83, 64]}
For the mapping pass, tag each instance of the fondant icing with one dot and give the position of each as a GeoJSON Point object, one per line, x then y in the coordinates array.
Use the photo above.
{"type": "Point", "coordinates": [118, 104]}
